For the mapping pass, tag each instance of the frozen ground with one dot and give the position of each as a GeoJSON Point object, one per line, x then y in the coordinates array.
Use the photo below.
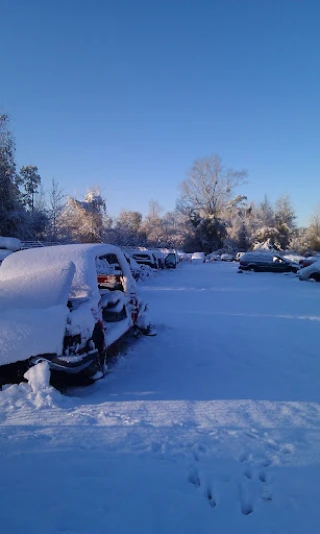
{"type": "Point", "coordinates": [212, 426]}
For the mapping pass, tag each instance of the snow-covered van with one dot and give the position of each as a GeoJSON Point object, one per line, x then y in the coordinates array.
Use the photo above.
{"type": "Point", "coordinates": [65, 305]}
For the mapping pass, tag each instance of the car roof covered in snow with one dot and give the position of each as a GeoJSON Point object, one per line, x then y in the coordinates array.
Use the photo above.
{"type": "Point", "coordinates": [10, 243]}
{"type": "Point", "coordinates": [39, 260]}
{"type": "Point", "coordinates": [260, 255]}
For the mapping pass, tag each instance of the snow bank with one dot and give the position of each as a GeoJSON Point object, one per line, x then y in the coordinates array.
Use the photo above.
{"type": "Point", "coordinates": [38, 376]}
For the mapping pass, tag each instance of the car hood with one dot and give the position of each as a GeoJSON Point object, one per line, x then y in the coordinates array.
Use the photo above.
{"type": "Point", "coordinates": [34, 312]}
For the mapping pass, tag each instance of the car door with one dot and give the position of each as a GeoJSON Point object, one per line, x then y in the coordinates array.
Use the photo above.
{"type": "Point", "coordinates": [278, 264]}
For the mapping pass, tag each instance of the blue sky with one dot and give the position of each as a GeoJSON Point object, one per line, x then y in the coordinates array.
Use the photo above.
{"type": "Point", "coordinates": [127, 94]}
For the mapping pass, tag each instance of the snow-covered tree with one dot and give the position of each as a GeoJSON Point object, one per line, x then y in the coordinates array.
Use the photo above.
{"type": "Point", "coordinates": [312, 234]}
{"type": "Point", "coordinates": [127, 228]}
{"type": "Point", "coordinates": [151, 226]}
{"type": "Point", "coordinates": [285, 218]}
{"type": "Point", "coordinates": [83, 220]}
{"type": "Point", "coordinates": [208, 194]}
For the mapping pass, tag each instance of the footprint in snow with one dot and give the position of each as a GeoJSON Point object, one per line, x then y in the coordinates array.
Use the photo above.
{"type": "Point", "coordinates": [255, 484]}
{"type": "Point", "coordinates": [194, 479]}
{"type": "Point", "coordinates": [199, 450]}
{"type": "Point", "coordinates": [244, 457]}
{"type": "Point", "coordinates": [211, 499]}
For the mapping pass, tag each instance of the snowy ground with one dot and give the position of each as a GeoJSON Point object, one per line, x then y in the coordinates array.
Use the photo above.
{"type": "Point", "coordinates": [212, 426]}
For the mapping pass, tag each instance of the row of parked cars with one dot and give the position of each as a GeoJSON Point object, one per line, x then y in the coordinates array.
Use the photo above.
{"type": "Point", "coordinates": [306, 268]}
{"type": "Point", "coordinates": [267, 261]}
{"type": "Point", "coordinates": [68, 304]}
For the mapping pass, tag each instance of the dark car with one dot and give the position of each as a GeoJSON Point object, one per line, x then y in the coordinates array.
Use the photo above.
{"type": "Point", "coordinates": [266, 262]}
{"type": "Point", "coordinates": [170, 261]}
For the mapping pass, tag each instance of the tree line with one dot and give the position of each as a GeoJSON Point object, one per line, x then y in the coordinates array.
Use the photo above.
{"type": "Point", "coordinates": [211, 212]}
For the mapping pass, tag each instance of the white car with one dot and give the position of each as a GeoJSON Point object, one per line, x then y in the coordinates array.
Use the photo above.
{"type": "Point", "coordinates": [7, 246]}
{"type": "Point", "coordinates": [198, 257]}
{"type": "Point", "coordinates": [65, 305]}
{"type": "Point", "coordinates": [226, 257]}
{"type": "Point", "coordinates": [312, 272]}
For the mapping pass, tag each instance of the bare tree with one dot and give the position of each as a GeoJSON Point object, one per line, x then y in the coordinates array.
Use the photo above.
{"type": "Point", "coordinates": [208, 197]}
{"type": "Point", "coordinates": [208, 188]}
{"type": "Point", "coordinates": [54, 207]}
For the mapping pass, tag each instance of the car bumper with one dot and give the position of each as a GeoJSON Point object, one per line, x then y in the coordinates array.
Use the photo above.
{"type": "Point", "coordinates": [71, 364]}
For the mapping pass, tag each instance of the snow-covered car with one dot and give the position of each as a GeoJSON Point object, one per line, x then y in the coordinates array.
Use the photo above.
{"type": "Point", "coordinates": [227, 257]}
{"type": "Point", "coordinates": [214, 257]}
{"type": "Point", "coordinates": [159, 255]}
{"type": "Point", "coordinates": [311, 272]}
{"type": "Point", "coordinates": [239, 256]}
{"type": "Point", "coordinates": [145, 257]}
{"type": "Point", "coordinates": [198, 257]}
{"type": "Point", "coordinates": [305, 262]}
{"type": "Point", "coordinates": [170, 261]}
{"type": "Point", "coordinates": [7, 246]}
{"type": "Point", "coordinates": [134, 267]}
{"type": "Point", "coordinates": [266, 262]}
{"type": "Point", "coordinates": [65, 305]}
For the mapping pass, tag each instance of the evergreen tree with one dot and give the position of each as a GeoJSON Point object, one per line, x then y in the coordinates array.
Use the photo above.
{"type": "Point", "coordinates": [9, 194]}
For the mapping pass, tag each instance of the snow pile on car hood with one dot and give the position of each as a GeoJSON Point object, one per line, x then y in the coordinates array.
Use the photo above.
{"type": "Point", "coordinates": [33, 312]}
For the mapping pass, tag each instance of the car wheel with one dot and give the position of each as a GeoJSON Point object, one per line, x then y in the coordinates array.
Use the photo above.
{"type": "Point", "coordinates": [315, 277]}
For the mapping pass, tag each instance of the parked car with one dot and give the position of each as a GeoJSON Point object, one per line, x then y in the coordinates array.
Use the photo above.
{"type": "Point", "coordinates": [145, 257]}
{"type": "Point", "coordinates": [214, 257]}
{"type": "Point", "coordinates": [7, 246]}
{"type": "Point", "coordinates": [305, 262]}
{"type": "Point", "coordinates": [66, 305]}
{"type": "Point", "coordinates": [265, 261]}
{"type": "Point", "coordinates": [227, 257]}
{"type": "Point", "coordinates": [311, 272]}
{"type": "Point", "coordinates": [170, 261]}
{"type": "Point", "coordinates": [134, 267]}
{"type": "Point", "coordinates": [239, 256]}
{"type": "Point", "coordinates": [160, 257]}
{"type": "Point", "coordinates": [198, 257]}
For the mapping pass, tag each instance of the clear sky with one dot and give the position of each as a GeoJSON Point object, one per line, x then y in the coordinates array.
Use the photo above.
{"type": "Point", "coordinates": [125, 94]}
